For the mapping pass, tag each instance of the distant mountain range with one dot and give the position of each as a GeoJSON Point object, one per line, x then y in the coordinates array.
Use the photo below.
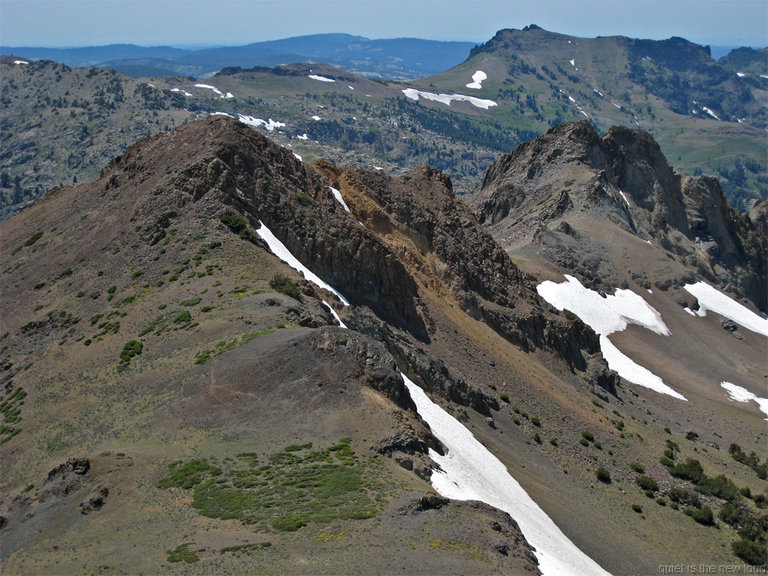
{"type": "Point", "coordinates": [62, 124]}
{"type": "Point", "coordinates": [395, 59]}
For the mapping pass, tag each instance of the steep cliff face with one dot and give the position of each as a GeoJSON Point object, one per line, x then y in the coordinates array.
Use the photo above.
{"type": "Point", "coordinates": [570, 183]}
{"type": "Point", "coordinates": [451, 256]}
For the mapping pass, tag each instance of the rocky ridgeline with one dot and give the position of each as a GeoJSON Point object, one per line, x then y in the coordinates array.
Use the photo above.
{"type": "Point", "coordinates": [623, 177]}
{"type": "Point", "coordinates": [442, 243]}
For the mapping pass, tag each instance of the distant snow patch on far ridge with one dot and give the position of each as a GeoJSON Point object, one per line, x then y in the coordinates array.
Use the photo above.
{"type": "Point", "coordinates": [446, 99]}
{"type": "Point", "coordinates": [316, 118]}
{"type": "Point", "coordinates": [606, 316]}
{"type": "Point", "coordinates": [215, 90]}
{"type": "Point", "coordinates": [256, 122]}
{"type": "Point", "coordinates": [477, 80]}
{"type": "Point", "coordinates": [739, 394]}
{"type": "Point", "coordinates": [182, 91]}
{"type": "Point", "coordinates": [321, 78]}
{"type": "Point", "coordinates": [279, 249]}
{"type": "Point", "coordinates": [712, 299]}
{"type": "Point", "coordinates": [337, 195]}
{"type": "Point", "coordinates": [17, 62]}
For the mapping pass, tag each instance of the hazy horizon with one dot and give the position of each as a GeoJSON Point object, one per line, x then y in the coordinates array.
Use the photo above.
{"type": "Point", "coordinates": [180, 23]}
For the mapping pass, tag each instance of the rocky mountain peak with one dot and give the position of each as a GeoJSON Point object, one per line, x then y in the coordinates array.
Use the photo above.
{"type": "Point", "coordinates": [622, 178]}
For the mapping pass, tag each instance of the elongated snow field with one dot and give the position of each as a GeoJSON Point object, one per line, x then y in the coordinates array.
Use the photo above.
{"type": "Point", "coordinates": [470, 472]}
{"type": "Point", "coordinates": [606, 316]}
{"type": "Point", "coordinates": [446, 99]}
{"type": "Point", "coordinates": [739, 394]}
{"type": "Point", "coordinates": [712, 299]}
{"type": "Point", "coordinates": [279, 249]}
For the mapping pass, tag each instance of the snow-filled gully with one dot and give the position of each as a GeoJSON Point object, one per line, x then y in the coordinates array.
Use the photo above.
{"type": "Point", "coordinates": [468, 470]}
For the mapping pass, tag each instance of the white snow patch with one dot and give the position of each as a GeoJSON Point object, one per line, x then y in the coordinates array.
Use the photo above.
{"type": "Point", "coordinates": [337, 195]}
{"type": "Point", "coordinates": [571, 99]}
{"type": "Point", "coordinates": [708, 111]}
{"type": "Point", "coordinates": [712, 299]}
{"type": "Point", "coordinates": [316, 118]}
{"type": "Point", "coordinates": [182, 91]}
{"type": "Point", "coordinates": [446, 99]}
{"type": "Point", "coordinates": [279, 250]}
{"type": "Point", "coordinates": [632, 371]}
{"type": "Point", "coordinates": [303, 136]}
{"type": "Point", "coordinates": [740, 394]}
{"type": "Point", "coordinates": [573, 62]}
{"type": "Point", "coordinates": [270, 124]}
{"type": "Point", "coordinates": [617, 106]}
{"type": "Point", "coordinates": [17, 62]}
{"type": "Point", "coordinates": [624, 196]}
{"type": "Point", "coordinates": [740, 74]}
{"type": "Point", "coordinates": [596, 91]}
{"type": "Point", "coordinates": [215, 90]}
{"type": "Point", "coordinates": [470, 472]}
{"type": "Point", "coordinates": [477, 80]}
{"type": "Point", "coordinates": [350, 87]}
{"type": "Point", "coordinates": [649, 291]}
{"type": "Point", "coordinates": [763, 76]}
{"type": "Point", "coordinates": [299, 158]}
{"type": "Point", "coordinates": [321, 78]}
{"type": "Point", "coordinates": [222, 114]}
{"type": "Point", "coordinates": [335, 315]}
{"type": "Point", "coordinates": [606, 315]}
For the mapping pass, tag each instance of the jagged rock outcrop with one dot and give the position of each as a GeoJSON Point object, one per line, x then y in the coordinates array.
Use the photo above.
{"type": "Point", "coordinates": [448, 252]}
{"type": "Point", "coordinates": [229, 167]}
{"type": "Point", "coordinates": [561, 190]}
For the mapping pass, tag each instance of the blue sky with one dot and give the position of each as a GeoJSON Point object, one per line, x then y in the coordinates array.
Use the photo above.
{"type": "Point", "coordinates": [233, 22]}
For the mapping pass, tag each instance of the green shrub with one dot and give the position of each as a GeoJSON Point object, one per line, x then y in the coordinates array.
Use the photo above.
{"type": "Point", "coordinates": [647, 483]}
{"type": "Point", "coordinates": [702, 515]}
{"type": "Point", "coordinates": [588, 436]}
{"type": "Point", "coordinates": [637, 508]}
{"type": "Point", "coordinates": [34, 238]}
{"type": "Point", "coordinates": [132, 348]}
{"type": "Point", "coordinates": [682, 496]}
{"type": "Point", "coordinates": [182, 554]}
{"type": "Point", "coordinates": [637, 467]}
{"type": "Point", "coordinates": [603, 475]}
{"type": "Point", "coordinates": [689, 470]}
{"type": "Point", "coordinates": [284, 285]}
{"type": "Point", "coordinates": [504, 397]}
{"type": "Point", "coordinates": [535, 421]}
{"type": "Point", "coordinates": [752, 553]}
{"type": "Point", "coordinates": [185, 476]}
{"type": "Point", "coordinates": [720, 486]}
